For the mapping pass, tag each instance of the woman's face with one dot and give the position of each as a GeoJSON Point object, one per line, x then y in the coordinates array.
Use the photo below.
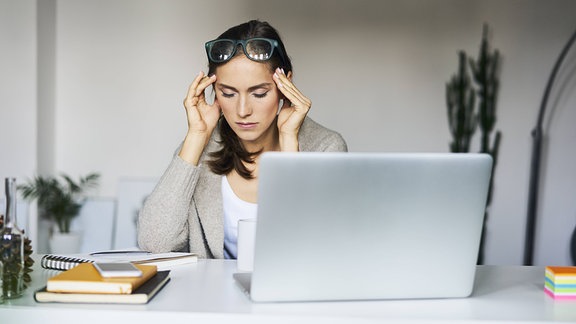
{"type": "Point", "coordinates": [249, 99]}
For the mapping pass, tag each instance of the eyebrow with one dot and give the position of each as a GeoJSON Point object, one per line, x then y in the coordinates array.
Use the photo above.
{"type": "Point", "coordinates": [252, 88]}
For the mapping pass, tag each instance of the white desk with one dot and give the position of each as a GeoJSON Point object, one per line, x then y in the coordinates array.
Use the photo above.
{"type": "Point", "coordinates": [206, 293]}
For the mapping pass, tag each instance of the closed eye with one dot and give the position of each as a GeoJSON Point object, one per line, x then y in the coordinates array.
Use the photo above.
{"type": "Point", "coordinates": [260, 95]}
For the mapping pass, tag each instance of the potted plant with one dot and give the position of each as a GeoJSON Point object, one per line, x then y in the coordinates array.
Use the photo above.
{"type": "Point", "coordinates": [465, 115]}
{"type": "Point", "coordinates": [59, 201]}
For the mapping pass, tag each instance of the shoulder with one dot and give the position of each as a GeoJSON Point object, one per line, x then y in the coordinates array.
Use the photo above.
{"type": "Point", "coordinates": [315, 137]}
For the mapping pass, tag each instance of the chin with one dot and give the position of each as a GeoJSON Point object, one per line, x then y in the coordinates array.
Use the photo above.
{"type": "Point", "coordinates": [249, 139]}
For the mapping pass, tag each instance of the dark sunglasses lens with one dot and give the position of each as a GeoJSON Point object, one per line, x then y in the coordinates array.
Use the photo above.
{"type": "Point", "coordinates": [259, 50]}
{"type": "Point", "coordinates": [221, 51]}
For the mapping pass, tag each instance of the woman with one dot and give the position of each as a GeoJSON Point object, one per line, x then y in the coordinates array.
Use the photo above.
{"type": "Point", "coordinates": [212, 181]}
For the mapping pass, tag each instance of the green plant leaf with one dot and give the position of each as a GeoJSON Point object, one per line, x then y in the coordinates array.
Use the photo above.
{"type": "Point", "coordinates": [59, 199]}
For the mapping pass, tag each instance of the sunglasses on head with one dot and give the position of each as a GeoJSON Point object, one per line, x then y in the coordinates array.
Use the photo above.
{"type": "Point", "coordinates": [256, 49]}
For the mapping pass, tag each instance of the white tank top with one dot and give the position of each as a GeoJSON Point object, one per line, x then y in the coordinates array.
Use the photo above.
{"type": "Point", "coordinates": [234, 209]}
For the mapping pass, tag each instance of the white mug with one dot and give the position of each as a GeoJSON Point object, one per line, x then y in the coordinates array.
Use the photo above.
{"type": "Point", "coordinates": [246, 239]}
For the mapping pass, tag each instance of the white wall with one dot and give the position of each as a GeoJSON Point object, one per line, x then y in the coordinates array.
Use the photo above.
{"type": "Point", "coordinates": [46, 112]}
{"type": "Point", "coordinates": [375, 71]}
{"type": "Point", "coordinates": [18, 96]}
{"type": "Point", "coordinates": [17, 88]}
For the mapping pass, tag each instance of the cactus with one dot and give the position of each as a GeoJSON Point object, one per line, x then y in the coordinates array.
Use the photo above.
{"type": "Point", "coordinates": [462, 116]}
{"type": "Point", "coordinates": [461, 102]}
{"type": "Point", "coordinates": [486, 70]}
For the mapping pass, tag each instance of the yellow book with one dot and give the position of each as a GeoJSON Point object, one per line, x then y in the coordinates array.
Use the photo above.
{"type": "Point", "coordinates": [84, 278]}
{"type": "Point", "coordinates": [141, 295]}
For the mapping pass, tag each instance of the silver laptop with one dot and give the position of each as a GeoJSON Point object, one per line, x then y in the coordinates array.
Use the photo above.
{"type": "Point", "coordinates": [363, 226]}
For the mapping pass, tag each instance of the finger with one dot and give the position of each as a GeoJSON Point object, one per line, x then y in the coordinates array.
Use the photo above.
{"type": "Point", "coordinates": [285, 81]}
{"type": "Point", "coordinates": [195, 95]}
{"type": "Point", "coordinates": [205, 82]}
{"type": "Point", "coordinates": [297, 104]}
{"type": "Point", "coordinates": [289, 89]}
{"type": "Point", "coordinates": [192, 88]}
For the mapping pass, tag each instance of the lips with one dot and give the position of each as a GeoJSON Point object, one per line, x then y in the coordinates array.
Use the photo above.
{"type": "Point", "coordinates": [246, 125]}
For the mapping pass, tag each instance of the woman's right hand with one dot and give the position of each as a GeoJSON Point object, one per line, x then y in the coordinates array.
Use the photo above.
{"type": "Point", "coordinates": [202, 118]}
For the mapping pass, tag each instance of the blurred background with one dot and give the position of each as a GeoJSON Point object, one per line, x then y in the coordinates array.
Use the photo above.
{"type": "Point", "coordinates": [90, 85]}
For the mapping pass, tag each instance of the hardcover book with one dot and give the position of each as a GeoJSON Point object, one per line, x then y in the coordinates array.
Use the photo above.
{"type": "Point", "coordinates": [84, 278]}
{"type": "Point", "coordinates": [141, 295]}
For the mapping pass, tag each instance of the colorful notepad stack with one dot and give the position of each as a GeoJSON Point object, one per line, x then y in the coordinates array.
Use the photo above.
{"type": "Point", "coordinates": [560, 282]}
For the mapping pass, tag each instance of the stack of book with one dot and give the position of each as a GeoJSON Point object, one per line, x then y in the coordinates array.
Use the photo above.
{"type": "Point", "coordinates": [560, 282]}
{"type": "Point", "coordinates": [84, 284]}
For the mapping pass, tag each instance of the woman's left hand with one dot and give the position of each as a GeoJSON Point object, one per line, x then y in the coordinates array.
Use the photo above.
{"type": "Point", "coordinates": [294, 110]}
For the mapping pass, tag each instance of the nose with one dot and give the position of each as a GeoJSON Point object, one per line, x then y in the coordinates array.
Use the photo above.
{"type": "Point", "coordinates": [244, 109]}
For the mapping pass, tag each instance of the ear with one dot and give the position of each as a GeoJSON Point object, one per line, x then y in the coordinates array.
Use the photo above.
{"type": "Point", "coordinates": [289, 75]}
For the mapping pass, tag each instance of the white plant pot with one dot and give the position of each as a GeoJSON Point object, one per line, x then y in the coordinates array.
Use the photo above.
{"type": "Point", "coordinates": [65, 243]}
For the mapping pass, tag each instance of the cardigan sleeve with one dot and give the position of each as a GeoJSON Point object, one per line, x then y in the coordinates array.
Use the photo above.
{"type": "Point", "coordinates": [314, 137]}
{"type": "Point", "coordinates": [163, 219]}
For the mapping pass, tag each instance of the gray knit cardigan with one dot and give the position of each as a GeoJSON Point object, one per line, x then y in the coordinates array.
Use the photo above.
{"type": "Point", "coordinates": [184, 211]}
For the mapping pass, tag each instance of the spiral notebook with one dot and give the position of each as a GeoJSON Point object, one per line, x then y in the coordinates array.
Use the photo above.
{"type": "Point", "coordinates": [161, 260]}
